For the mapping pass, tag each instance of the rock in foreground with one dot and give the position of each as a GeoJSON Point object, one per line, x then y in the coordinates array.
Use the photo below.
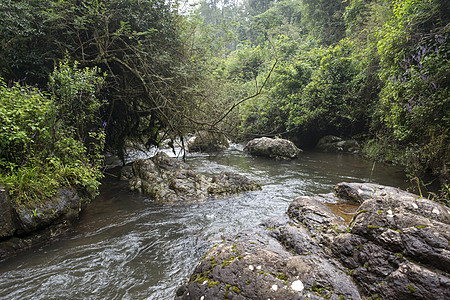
{"type": "Point", "coordinates": [25, 225]}
{"type": "Point", "coordinates": [166, 179]}
{"type": "Point", "coordinates": [396, 247]}
{"type": "Point", "coordinates": [273, 148]}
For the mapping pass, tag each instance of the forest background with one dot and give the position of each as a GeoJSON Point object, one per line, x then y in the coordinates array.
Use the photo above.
{"type": "Point", "coordinates": [81, 77]}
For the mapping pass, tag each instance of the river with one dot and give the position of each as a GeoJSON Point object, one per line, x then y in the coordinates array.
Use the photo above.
{"type": "Point", "coordinates": [127, 247]}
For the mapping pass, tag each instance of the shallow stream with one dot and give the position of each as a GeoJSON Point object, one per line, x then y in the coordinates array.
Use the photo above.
{"type": "Point", "coordinates": [127, 247]}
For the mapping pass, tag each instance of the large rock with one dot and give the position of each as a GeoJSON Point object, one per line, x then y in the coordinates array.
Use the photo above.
{"type": "Point", "coordinates": [396, 247]}
{"type": "Point", "coordinates": [8, 223]}
{"type": "Point", "coordinates": [398, 244]}
{"type": "Point", "coordinates": [167, 179]}
{"type": "Point", "coordinates": [25, 225]}
{"type": "Point", "coordinates": [273, 148]}
{"type": "Point", "coordinates": [206, 141]}
{"type": "Point", "coordinates": [331, 143]}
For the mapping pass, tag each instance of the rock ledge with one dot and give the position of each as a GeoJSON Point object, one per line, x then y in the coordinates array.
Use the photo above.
{"type": "Point", "coordinates": [396, 247]}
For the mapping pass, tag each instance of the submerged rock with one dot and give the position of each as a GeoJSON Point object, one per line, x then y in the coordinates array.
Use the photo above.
{"type": "Point", "coordinates": [167, 179]}
{"type": "Point", "coordinates": [273, 148]}
{"type": "Point", "coordinates": [331, 143]}
{"type": "Point", "coordinates": [396, 247]}
{"type": "Point", "coordinates": [206, 141]}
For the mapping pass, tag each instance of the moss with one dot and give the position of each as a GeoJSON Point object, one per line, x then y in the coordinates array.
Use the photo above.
{"type": "Point", "coordinates": [236, 289]}
{"type": "Point", "coordinates": [421, 226]}
{"type": "Point", "coordinates": [202, 278]}
{"type": "Point", "coordinates": [317, 289]}
{"type": "Point", "coordinates": [281, 276]}
{"type": "Point", "coordinates": [213, 262]}
{"type": "Point", "coordinates": [360, 212]}
{"type": "Point", "coordinates": [373, 227]}
{"type": "Point", "coordinates": [379, 211]}
{"type": "Point", "coordinates": [341, 297]}
{"type": "Point", "coordinates": [411, 289]}
{"type": "Point", "coordinates": [228, 261]}
{"type": "Point", "coordinates": [247, 282]}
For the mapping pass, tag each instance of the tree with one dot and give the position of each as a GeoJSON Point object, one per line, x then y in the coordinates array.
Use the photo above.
{"type": "Point", "coordinates": [415, 101]}
{"type": "Point", "coordinates": [136, 43]}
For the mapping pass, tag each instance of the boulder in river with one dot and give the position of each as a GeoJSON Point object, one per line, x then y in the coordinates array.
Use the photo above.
{"type": "Point", "coordinates": [334, 144]}
{"type": "Point", "coordinates": [274, 148]}
{"type": "Point", "coordinates": [25, 225]}
{"type": "Point", "coordinates": [205, 141]}
{"type": "Point", "coordinates": [167, 179]}
{"type": "Point", "coordinates": [396, 247]}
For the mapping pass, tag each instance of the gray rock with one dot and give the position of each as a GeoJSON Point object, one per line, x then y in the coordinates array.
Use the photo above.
{"type": "Point", "coordinates": [331, 143]}
{"type": "Point", "coordinates": [274, 148]}
{"type": "Point", "coordinates": [206, 141]}
{"type": "Point", "coordinates": [359, 192]}
{"type": "Point", "coordinates": [63, 208]}
{"type": "Point", "coordinates": [398, 244]}
{"type": "Point", "coordinates": [396, 247]}
{"type": "Point", "coordinates": [38, 222]}
{"type": "Point", "coordinates": [281, 259]}
{"type": "Point", "coordinates": [166, 179]}
{"type": "Point", "coordinates": [8, 223]}
{"type": "Point", "coordinates": [126, 172]}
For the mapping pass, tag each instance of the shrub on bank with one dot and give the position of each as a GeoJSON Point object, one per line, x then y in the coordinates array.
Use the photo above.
{"type": "Point", "coordinates": [50, 140]}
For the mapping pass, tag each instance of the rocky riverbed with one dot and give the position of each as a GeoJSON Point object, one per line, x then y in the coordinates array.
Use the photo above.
{"type": "Point", "coordinates": [396, 247]}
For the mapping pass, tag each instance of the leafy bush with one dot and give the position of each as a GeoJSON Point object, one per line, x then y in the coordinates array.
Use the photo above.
{"type": "Point", "coordinates": [415, 100]}
{"type": "Point", "coordinates": [43, 142]}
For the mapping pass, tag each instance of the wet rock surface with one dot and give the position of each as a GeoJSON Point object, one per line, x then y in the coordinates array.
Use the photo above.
{"type": "Point", "coordinates": [23, 226]}
{"type": "Point", "coordinates": [273, 148]}
{"type": "Point", "coordinates": [167, 179]}
{"type": "Point", "coordinates": [396, 247]}
{"type": "Point", "coordinates": [334, 144]}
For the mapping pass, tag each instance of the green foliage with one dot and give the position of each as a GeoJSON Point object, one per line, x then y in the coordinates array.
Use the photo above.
{"type": "Point", "coordinates": [25, 121]}
{"type": "Point", "coordinates": [42, 146]}
{"type": "Point", "coordinates": [327, 103]}
{"type": "Point", "coordinates": [323, 19]}
{"type": "Point", "coordinates": [415, 100]}
{"type": "Point", "coordinates": [136, 42]}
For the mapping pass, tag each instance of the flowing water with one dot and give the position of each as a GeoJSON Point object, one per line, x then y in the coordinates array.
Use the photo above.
{"type": "Point", "coordinates": [127, 247]}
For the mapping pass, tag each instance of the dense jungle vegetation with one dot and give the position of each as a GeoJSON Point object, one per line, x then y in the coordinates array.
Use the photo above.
{"type": "Point", "coordinates": [79, 76]}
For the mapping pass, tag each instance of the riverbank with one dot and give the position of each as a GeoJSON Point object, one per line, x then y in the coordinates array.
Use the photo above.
{"type": "Point", "coordinates": [27, 225]}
